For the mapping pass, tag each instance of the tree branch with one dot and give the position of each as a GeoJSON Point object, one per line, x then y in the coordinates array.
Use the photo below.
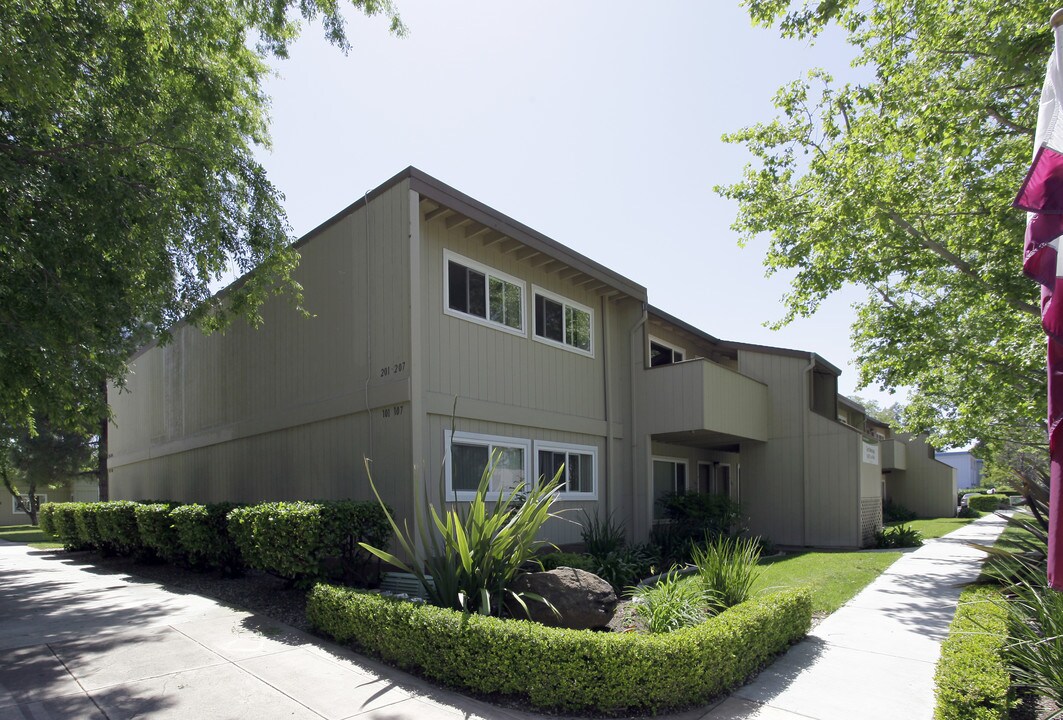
{"type": "Point", "coordinates": [999, 117]}
{"type": "Point", "coordinates": [956, 261]}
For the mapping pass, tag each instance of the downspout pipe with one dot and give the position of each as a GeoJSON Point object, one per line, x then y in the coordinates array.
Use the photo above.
{"type": "Point", "coordinates": [805, 485]}
{"type": "Point", "coordinates": [637, 362]}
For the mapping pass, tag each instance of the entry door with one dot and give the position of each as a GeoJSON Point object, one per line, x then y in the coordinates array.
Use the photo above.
{"type": "Point", "coordinates": [722, 486]}
{"type": "Point", "coordinates": [704, 477]}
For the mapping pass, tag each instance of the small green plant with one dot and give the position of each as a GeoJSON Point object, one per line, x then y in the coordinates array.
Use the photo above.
{"type": "Point", "coordinates": [601, 536]}
{"type": "Point", "coordinates": [670, 604]}
{"type": "Point", "coordinates": [968, 512]}
{"type": "Point", "coordinates": [727, 569]}
{"type": "Point", "coordinates": [1035, 634]}
{"type": "Point", "coordinates": [899, 536]}
{"type": "Point", "coordinates": [624, 567]}
{"type": "Point", "coordinates": [895, 512]}
{"type": "Point", "coordinates": [469, 554]}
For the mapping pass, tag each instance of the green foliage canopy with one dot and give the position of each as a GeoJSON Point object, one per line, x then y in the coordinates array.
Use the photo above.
{"type": "Point", "coordinates": [901, 184]}
{"type": "Point", "coordinates": [129, 183]}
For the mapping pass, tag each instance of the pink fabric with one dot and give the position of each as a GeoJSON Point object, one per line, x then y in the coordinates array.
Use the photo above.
{"type": "Point", "coordinates": [1042, 194]}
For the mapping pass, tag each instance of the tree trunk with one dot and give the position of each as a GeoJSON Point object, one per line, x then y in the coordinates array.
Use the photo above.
{"type": "Point", "coordinates": [101, 450]}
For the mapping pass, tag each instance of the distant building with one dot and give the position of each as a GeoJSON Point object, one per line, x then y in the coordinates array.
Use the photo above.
{"type": "Point", "coordinates": [968, 467]}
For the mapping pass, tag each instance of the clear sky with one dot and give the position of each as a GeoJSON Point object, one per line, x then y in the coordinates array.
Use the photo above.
{"type": "Point", "coordinates": [597, 124]}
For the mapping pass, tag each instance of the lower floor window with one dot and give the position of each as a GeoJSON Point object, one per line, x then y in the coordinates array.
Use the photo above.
{"type": "Point", "coordinates": [473, 455]}
{"type": "Point", "coordinates": [575, 463]}
{"type": "Point", "coordinates": [37, 500]}
{"type": "Point", "coordinates": [508, 460]}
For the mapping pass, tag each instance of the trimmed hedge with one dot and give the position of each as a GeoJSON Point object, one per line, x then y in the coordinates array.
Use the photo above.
{"type": "Point", "coordinates": [157, 531]}
{"type": "Point", "coordinates": [972, 680]}
{"type": "Point", "coordinates": [987, 503]}
{"type": "Point", "coordinates": [307, 541]}
{"type": "Point", "coordinates": [57, 519]}
{"type": "Point", "coordinates": [560, 669]}
{"type": "Point", "coordinates": [88, 529]}
{"type": "Point", "coordinates": [116, 523]}
{"type": "Point", "coordinates": [205, 538]}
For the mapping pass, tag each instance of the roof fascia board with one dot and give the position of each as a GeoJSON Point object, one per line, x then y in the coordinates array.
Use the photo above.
{"type": "Point", "coordinates": [432, 189]}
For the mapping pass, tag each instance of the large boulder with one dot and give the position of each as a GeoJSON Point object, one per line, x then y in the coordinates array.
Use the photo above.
{"type": "Point", "coordinates": [584, 600]}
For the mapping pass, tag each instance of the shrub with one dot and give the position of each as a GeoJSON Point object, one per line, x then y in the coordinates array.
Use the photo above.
{"type": "Point", "coordinates": [1035, 629]}
{"type": "Point", "coordinates": [670, 604]}
{"type": "Point", "coordinates": [306, 541]}
{"type": "Point", "coordinates": [45, 518]}
{"type": "Point", "coordinates": [566, 670]}
{"type": "Point", "coordinates": [972, 680]}
{"type": "Point", "coordinates": [473, 552]}
{"type": "Point", "coordinates": [157, 531]}
{"type": "Point", "coordinates": [554, 560]}
{"type": "Point", "coordinates": [116, 524]}
{"type": "Point", "coordinates": [624, 567]}
{"type": "Point", "coordinates": [967, 512]}
{"type": "Point", "coordinates": [986, 503]}
{"type": "Point", "coordinates": [62, 518]}
{"type": "Point", "coordinates": [601, 536]}
{"type": "Point", "coordinates": [899, 536]}
{"type": "Point", "coordinates": [205, 539]}
{"type": "Point", "coordinates": [895, 512]}
{"type": "Point", "coordinates": [89, 536]}
{"type": "Point", "coordinates": [727, 569]}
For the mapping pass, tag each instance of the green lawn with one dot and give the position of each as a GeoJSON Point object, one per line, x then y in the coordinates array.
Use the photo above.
{"type": "Point", "coordinates": [834, 577]}
{"type": "Point", "coordinates": [30, 534]}
{"type": "Point", "coordinates": [935, 527]}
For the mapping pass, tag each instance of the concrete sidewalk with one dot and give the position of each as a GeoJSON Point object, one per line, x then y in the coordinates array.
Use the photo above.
{"type": "Point", "coordinates": [875, 657]}
{"type": "Point", "coordinates": [80, 643]}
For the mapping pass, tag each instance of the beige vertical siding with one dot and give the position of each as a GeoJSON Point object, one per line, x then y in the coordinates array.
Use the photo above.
{"type": "Point", "coordinates": [773, 489]}
{"type": "Point", "coordinates": [514, 386]}
{"type": "Point", "coordinates": [927, 487]}
{"type": "Point", "coordinates": [286, 410]}
{"type": "Point", "coordinates": [794, 498]}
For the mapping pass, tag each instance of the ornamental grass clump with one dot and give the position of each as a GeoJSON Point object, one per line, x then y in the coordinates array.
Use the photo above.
{"type": "Point", "coordinates": [469, 554]}
{"type": "Point", "coordinates": [672, 603]}
{"type": "Point", "coordinates": [727, 569]}
{"type": "Point", "coordinates": [1035, 634]}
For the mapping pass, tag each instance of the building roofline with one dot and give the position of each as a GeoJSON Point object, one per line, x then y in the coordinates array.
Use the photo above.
{"type": "Point", "coordinates": [785, 352]}
{"type": "Point", "coordinates": [849, 402]}
{"type": "Point", "coordinates": [683, 325]}
{"type": "Point", "coordinates": [437, 191]}
{"type": "Point", "coordinates": [429, 187]}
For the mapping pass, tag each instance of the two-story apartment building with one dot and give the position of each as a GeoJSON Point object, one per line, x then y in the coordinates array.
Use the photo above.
{"type": "Point", "coordinates": [442, 333]}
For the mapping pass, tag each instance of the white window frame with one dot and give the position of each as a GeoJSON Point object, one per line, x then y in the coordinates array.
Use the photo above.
{"type": "Point", "coordinates": [565, 303]}
{"type": "Point", "coordinates": [490, 442]}
{"type": "Point", "coordinates": [14, 505]}
{"type": "Point", "coordinates": [653, 490]}
{"type": "Point", "coordinates": [671, 346]}
{"type": "Point", "coordinates": [489, 272]}
{"type": "Point", "coordinates": [591, 450]}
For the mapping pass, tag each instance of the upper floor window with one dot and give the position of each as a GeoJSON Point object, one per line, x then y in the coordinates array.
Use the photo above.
{"type": "Point", "coordinates": [563, 322]}
{"type": "Point", "coordinates": [661, 353]}
{"type": "Point", "coordinates": [482, 294]}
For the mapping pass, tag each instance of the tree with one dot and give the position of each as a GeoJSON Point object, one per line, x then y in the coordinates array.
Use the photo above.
{"type": "Point", "coordinates": [892, 414]}
{"type": "Point", "coordinates": [902, 184]}
{"type": "Point", "coordinates": [129, 184]}
{"type": "Point", "coordinates": [46, 459]}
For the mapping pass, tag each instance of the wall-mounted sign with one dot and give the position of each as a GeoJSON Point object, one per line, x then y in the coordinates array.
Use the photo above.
{"type": "Point", "coordinates": [870, 453]}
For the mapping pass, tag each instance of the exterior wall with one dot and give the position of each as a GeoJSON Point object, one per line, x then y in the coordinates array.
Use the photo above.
{"type": "Point", "coordinates": [968, 469]}
{"type": "Point", "coordinates": [773, 488]}
{"type": "Point", "coordinates": [481, 379]}
{"type": "Point", "coordinates": [834, 484]}
{"type": "Point", "coordinates": [288, 410]}
{"type": "Point", "coordinates": [807, 485]}
{"type": "Point", "coordinates": [928, 487]}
